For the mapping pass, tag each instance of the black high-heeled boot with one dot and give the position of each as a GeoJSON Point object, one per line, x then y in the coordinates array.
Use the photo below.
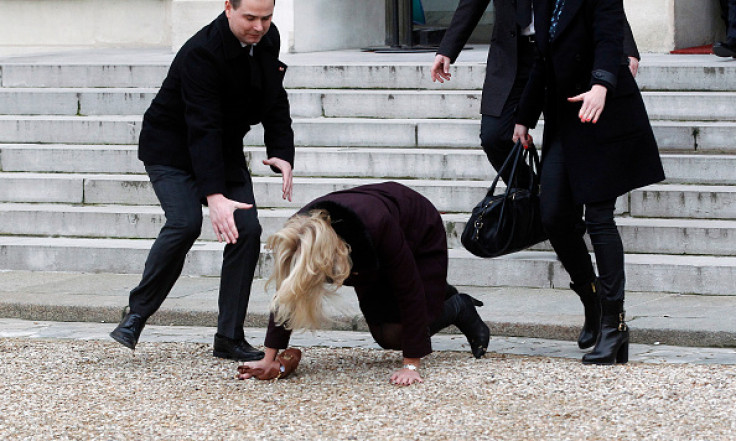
{"type": "Point", "coordinates": [590, 297]}
{"type": "Point", "coordinates": [459, 310]}
{"type": "Point", "coordinates": [613, 344]}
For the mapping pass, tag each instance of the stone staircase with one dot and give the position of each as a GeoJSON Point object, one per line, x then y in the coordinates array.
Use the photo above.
{"type": "Point", "coordinates": [73, 196]}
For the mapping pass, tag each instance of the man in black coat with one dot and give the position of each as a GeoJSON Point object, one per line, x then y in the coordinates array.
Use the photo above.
{"type": "Point", "coordinates": [510, 60]}
{"type": "Point", "coordinates": [226, 78]}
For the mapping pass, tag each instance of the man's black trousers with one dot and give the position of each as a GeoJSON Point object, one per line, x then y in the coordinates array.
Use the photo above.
{"type": "Point", "coordinates": [179, 196]}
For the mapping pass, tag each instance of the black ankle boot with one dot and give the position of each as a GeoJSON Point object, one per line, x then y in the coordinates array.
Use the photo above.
{"type": "Point", "coordinates": [129, 330]}
{"type": "Point", "coordinates": [589, 295]}
{"type": "Point", "coordinates": [459, 310]}
{"type": "Point", "coordinates": [613, 344]}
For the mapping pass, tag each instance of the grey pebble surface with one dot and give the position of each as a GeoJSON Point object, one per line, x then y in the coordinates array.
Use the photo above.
{"type": "Point", "coordinates": [93, 390]}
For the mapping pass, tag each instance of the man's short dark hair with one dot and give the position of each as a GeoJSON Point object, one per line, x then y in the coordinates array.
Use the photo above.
{"type": "Point", "coordinates": [236, 3]}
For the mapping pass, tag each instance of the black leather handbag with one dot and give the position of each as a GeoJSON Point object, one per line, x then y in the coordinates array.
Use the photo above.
{"type": "Point", "coordinates": [508, 222]}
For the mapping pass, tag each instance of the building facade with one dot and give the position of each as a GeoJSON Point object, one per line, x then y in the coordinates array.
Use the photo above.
{"type": "Point", "coordinates": [306, 25]}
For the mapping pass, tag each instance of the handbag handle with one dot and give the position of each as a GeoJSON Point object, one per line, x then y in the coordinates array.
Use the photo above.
{"type": "Point", "coordinates": [512, 158]}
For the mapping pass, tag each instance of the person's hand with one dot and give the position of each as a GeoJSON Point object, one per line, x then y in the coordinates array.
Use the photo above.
{"type": "Point", "coordinates": [633, 66]}
{"type": "Point", "coordinates": [262, 369]}
{"type": "Point", "coordinates": [593, 100]}
{"type": "Point", "coordinates": [521, 132]}
{"type": "Point", "coordinates": [405, 377]}
{"type": "Point", "coordinates": [440, 69]}
{"type": "Point", "coordinates": [221, 215]}
{"type": "Point", "coordinates": [286, 175]}
{"type": "Point", "coordinates": [266, 368]}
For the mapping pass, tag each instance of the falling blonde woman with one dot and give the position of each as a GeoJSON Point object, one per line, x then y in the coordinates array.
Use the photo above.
{"type": "Point", "coordinates": [389, 243]}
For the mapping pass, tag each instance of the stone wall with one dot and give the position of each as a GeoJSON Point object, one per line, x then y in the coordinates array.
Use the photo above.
{"type": "Point", "coordinates": [49, 25]}
{"type": "Point", "coordinates": [306, 25]}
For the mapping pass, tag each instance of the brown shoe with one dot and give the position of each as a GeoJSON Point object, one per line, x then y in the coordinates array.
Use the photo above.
{"type": "Point", "coordinates": [288, 361]}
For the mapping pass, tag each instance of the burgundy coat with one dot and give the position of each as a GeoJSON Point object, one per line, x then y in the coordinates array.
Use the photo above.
{"type": "Point", "coordinates": [399, 252]}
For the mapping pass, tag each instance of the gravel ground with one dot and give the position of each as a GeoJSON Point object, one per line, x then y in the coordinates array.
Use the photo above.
{"type": "Point", "coordinates": [92, 390]}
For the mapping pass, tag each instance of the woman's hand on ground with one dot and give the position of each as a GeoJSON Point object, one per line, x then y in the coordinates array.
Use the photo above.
{"type": "Point", "coordinates": [266, 368]}
{"type": "Point", "coordinates": [405, 377]}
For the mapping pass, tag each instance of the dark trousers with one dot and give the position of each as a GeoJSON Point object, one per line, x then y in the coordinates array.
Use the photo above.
{"type": "Point", "coordinates": [561, 218]}
{"type": "Point", "coordinates": [388, 334]}
{"type": "Point", "coordinates": [179, 196]}
{"type": "Point", "coordinates": [728, 12]}
{"type": "Point", "coordinates": [496, 131]}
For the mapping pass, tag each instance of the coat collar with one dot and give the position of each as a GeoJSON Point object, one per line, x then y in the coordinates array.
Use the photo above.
{"type": "Point", "coordinates": [230, 44]}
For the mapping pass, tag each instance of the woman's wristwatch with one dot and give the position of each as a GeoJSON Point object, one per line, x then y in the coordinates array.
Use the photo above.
{"type": "Point", "coordinates": [411, 367]}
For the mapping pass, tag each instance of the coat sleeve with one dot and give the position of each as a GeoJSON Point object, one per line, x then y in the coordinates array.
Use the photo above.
{"type": "Point", "coordinates": [398, 260]}
{"type": "Point", "coordinates": [201, 81]}
{"type": "Point", "coordinates": [532, 98]}
{"type": "Point", "coordinates": [277, 337]}
{"type": "Point", "coordinates": [608, 22]}
{"type": "Point", "coordinates": [466, 18]}
{"type": "Point", "coordinates": [630, 48]}
{"type": "Point", "coordinates": [278, 133]}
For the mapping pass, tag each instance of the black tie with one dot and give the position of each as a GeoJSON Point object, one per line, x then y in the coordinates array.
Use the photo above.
{"type": "Point", "coordinates": [255, 69]}
{"type": "Point", "coordinates": [524, 13]}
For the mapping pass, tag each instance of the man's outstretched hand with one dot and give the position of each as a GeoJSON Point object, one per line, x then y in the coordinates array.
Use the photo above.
{"type": "Point", "coordinates": [285, 168]}
{"type": "Point", "coordinates": [222, 216]}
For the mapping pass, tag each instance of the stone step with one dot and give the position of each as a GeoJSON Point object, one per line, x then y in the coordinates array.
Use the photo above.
{"type": "Point", "coordinates": [656, 72]}
{"type": "Point", "coordinates": [696, 202]}
{"type": "Point", "coordinates": [341, 103]}
{"type": "Point", "coordinates": [537, 269]}
{"type": "Point", "coordinates": [650, 236]}
{"type": "Point", "coordinates": [668, 201]}
{"type": "Point", "coordinates": [364, 162]}
{"type": "Point", "coordinates": [136, 190]}
{"type": "Point", "coordinates": [75, 101]}
{"type": "Point", "coordinates": [342, 132]}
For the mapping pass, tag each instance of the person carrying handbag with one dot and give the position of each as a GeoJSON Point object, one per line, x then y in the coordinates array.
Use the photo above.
{"type": "Point", "coordinates": [598, 145]}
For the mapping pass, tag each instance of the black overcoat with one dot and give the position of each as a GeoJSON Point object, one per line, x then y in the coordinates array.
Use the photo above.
{"type": "Point", "coordinates": [208, 102]}
{"type": "Point", "coordinates": [399, 252]}
{"type": "Point", "coordinates": [502, 61]}
{"type": "Point", "coordinates": [619, 153]}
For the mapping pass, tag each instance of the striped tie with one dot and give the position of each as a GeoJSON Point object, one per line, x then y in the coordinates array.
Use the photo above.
{"type": "Point", "coordinates": [559, 4]}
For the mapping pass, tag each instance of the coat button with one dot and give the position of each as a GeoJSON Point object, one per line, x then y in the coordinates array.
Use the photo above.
{"type": "Point", "coordinates": [598, 75]}
{"type": "Point", "coordinates": [513, 33]}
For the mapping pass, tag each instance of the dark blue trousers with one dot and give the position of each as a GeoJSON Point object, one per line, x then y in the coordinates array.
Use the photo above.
{"type": "Point", "coordinates": [562, 220]}
{"type": "Point", "coordinates": [728, 12]}
{"type": "Point", "coordinates": [179, 196]}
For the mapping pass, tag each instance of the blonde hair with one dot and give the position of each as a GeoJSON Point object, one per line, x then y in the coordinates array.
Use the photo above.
{"type": "Point", "coordinates": [310, 263]}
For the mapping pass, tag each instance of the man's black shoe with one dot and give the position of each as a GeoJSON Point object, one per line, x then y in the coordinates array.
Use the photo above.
{"type": "Point", "coordinates": [129, 329]}
{"type": "Point", "coordinates": [239, 350]}
{"type": "Point", "coordinates": [725, 49]}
